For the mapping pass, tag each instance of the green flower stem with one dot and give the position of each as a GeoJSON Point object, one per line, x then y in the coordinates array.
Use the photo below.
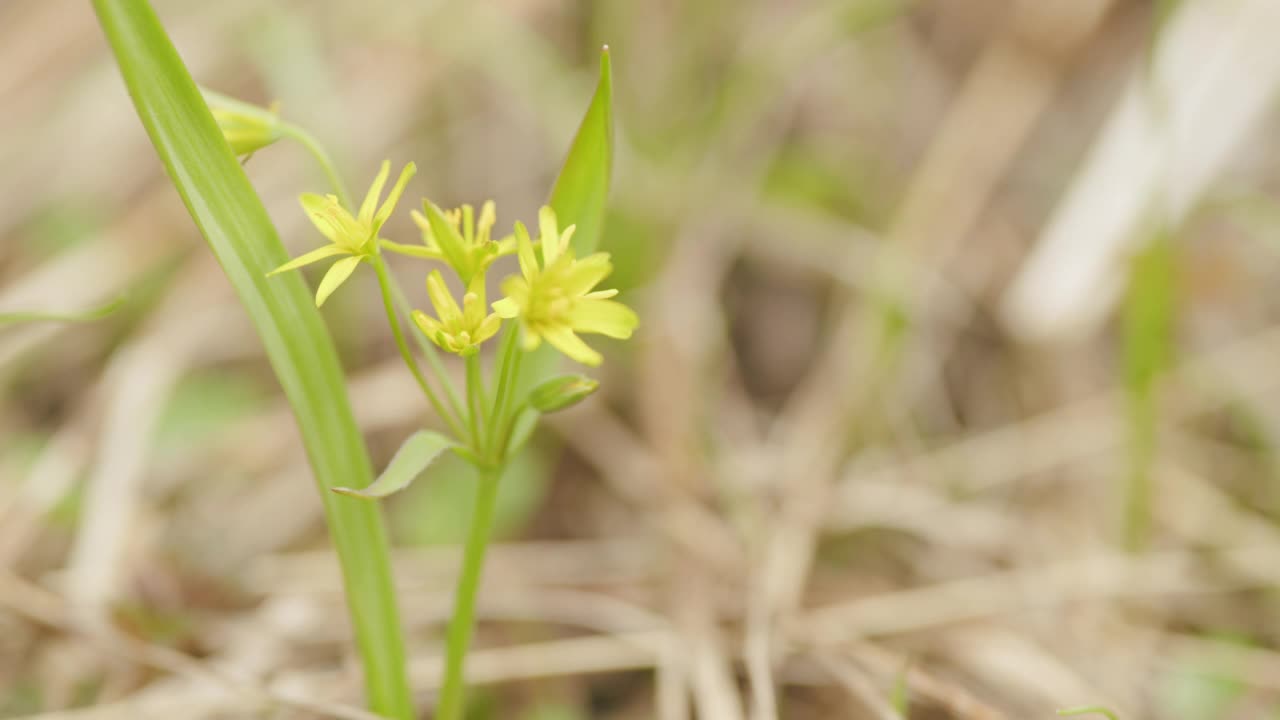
{"type": "Point", "coordinates": [450, 704]}
{"type": "Point", "coordinates": [393, 318]}
{"type": "Point", "coordinates": [475, 402]}
{"type": "Point", "coordinates": [510, 428]}
{"type": "Point", "coordinates": [313, 146]}
{"type": "Point", "coordinates": [508, 366]}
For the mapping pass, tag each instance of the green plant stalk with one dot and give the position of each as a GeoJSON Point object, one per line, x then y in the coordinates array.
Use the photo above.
{"type": "Point", "coordinates": [508, 362]}
{"type": "Point", "coordinates": [233, 221]}
{"type": "Point", "coordinates": [452, 699]}
{"type": "Point", "coordinates": [313, 146]}
{"type": "Point", "coordinates": [393, 319]}
{"type": "Point", "coordinates": [475, 401]}
{"type": "Point", "coordinates": [1148, 320]}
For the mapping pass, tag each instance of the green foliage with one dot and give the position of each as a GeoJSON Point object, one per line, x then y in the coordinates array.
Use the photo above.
{"type": "Point", "coordinates": [233, 221]}
{"type": "Point", "coordinates": [1148, 322]}
{"type": "Point", "coordinates": [430, 512]}
{"type": "Point", "coordinates": [582, 187]}
{"type": "Point", "coordinates": [94, 313]}
{"type": "Point", "coordinates": [414, 455]}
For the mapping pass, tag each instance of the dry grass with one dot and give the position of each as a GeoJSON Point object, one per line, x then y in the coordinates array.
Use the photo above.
{"type": "Point", "coordinates": [775, 512]}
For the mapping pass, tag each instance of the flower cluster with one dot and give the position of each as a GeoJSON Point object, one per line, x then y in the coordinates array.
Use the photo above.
{"type": "Point", "coordinates": [553, 298]}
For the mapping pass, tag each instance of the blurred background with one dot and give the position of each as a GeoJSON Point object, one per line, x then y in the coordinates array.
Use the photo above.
{"type": "Point", "coordinates": [955, 386]}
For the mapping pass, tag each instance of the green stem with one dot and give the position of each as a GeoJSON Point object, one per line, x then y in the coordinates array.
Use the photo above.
{"type": "Point", "coordinates": [475, 393]}
{"type": "Point", "coordinates": [508, 365]}
{"type": "Point", "coordinates": [509, 429]}
{"type": "Point", "coordinates": [317, 151]}
{"type": "Point", "coordinates": [451, 702]}
{"type": "Point", "coordinates": [393, 319]}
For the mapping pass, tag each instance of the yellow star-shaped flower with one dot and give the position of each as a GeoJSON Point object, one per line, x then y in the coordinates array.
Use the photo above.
{"type": "Point", "coordinates": [355, 237]}
{"type": "Point", "coordinates": [554, 300]}
{"type": "Point", "coordinates": [457, 238]}
{"type": "Point", "coordinates": [458, 330]}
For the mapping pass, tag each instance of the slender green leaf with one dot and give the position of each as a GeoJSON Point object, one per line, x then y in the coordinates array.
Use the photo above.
{"type": "Point", "coordinates": [1148, 325]}
{"type": "Point", "coordinates": [232, 219]}
{"type": "Point", "coordinates": [582, 188]}
{"type": "Point", "coordinates": [1090, 710]}
{"type": "Point", "coordinates": [414, 455]}
{"type": "Point", "coordinates": [93, 313]}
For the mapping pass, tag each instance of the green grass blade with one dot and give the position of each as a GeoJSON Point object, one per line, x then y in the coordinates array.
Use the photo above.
{"type": "Point", "coordinates": [1148, 329]}
{"type": "Point", "coordinates": [86, 315]}
{"type": "Point", "coordinates": [233, 221]}
{"type": "Point", "coordinates": [582, 188]}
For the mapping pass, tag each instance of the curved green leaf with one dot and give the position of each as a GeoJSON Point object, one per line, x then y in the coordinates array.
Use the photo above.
{"type": "Point", "coordinates": [414, 455]}
{"type": "Point", "coordinates": [582, 187]}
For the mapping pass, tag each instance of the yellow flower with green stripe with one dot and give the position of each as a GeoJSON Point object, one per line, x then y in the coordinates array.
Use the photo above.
{"type": "Point", "coordinates": [554, 300]}
{"type": "Point", "coordinates": [454, 329]}
{"type": "Point", "coordinates": [457, 238]}
{"type": "Point", "coordinates": [352, 236]}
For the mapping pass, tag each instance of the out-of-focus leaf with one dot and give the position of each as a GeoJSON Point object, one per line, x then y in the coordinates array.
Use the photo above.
{"type": "Point", "coordinates": [582, 187]}
{"type": "Point", "coordinates": [93, 313]}
{"type": "Point", "coordinates": [414, 455]}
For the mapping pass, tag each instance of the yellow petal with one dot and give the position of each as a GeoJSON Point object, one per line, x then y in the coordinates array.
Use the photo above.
{"type": "Point", "coordinates": [484, 226]}
{"type": "Point", "coordinates": [308, 258]}
{"type": "Point", "coordinates": [548, 235]}
{"type": "Point", "coordinates": [316, 207]}
{"type": "Point", "coordinates": [338, 274]}
{"type": "Point", "coordinates": [529, 340]}
{"type": "Point", "coordinates": [393, 198]}
{"type": "Point", "coordinates": [605, 317]}
{"type": "Point", "coordinates": [487, 328]}
{"type": "Point", "coordinates": [506, 308]}
{"type": "Point", "coordinates": [445, 233]}
{"type": "Point", "coordinates": [371, 198]}
{"type": "Point", "coordinates": [418, 251]}
{"type": "Point", "coordinates": [586, 273]}
{"type": "Point", "coordinates": [524, 251]}
{"type": "Point", "coordinates": [566, 342]}
{"type": "Point", "coordinates": [468, 224]}
{"type": "Point", "coordinates": [441, 299]}
{"type": "Point", "coordinates": [428, 325]}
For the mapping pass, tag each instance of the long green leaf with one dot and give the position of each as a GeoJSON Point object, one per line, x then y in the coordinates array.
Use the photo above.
{"type": "Point", "coordinates": [582, 188]}
{"type": "Point", "coordinates": [580, 194]}
{"type": "Point", "coordinates": [233, 221]}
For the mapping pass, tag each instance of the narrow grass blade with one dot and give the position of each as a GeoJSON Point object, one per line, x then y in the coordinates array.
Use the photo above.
{"type": "Point", "coordinates": [233, 221]}
{"type": "Point", "coordinates": [93, 313]}
{"type": "Point", "coordinates": [1148, 321]}
{"type": "Point", "coordinates": [582, 188]}
{"type": "Point", "coordinates": [415, 454]}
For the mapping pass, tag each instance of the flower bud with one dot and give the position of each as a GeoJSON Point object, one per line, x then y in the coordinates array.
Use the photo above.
{"type": "Point", "coordinates": [247, 128]}
{"type": "Point", "coordinates": [561, 392]}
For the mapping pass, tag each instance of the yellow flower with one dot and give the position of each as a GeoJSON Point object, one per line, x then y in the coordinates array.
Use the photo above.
{"type": "Point", "coordinates": [457, 238]}
{"type": "Point", "coordinates": [554, 300]}
{"type": "Point", "coordinates": [355, 237]}
{"type": "Point", "coordinates": [458, 330]}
